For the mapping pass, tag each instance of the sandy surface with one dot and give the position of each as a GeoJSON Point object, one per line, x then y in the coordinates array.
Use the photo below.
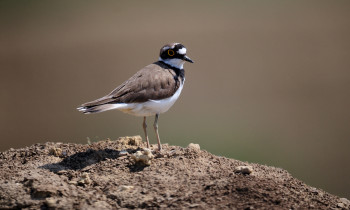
{"type": "Point", "coordinates": [105, 175]}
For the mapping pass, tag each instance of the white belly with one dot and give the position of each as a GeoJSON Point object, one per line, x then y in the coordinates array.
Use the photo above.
{"type": "Point", "coordinates": [150, 107]}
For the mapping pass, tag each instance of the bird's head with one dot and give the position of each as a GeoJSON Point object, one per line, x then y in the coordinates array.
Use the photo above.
{"type": "Point", "coordinates": [174, 54]}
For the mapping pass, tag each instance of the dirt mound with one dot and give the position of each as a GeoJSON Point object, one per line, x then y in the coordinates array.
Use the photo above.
{"type": "Point", "coordinates": [106, 175]}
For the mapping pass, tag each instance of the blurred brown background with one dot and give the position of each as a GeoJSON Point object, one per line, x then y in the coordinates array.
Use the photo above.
{"type": "Point", "coordinates": [271, 82]}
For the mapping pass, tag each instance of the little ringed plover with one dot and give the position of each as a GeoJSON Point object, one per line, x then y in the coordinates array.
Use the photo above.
{"type": "Point", "coordinates": [151, 91]}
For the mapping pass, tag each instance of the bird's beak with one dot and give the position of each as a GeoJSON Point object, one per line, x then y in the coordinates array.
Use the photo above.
{"type": "Point", "coordinates": [186, 58]}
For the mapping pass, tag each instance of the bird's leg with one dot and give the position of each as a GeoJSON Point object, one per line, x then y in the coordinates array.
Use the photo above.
{"type": "Point", "coordinates": [145, 130]}
{"type": "Point", "coordinates": [155, 125]}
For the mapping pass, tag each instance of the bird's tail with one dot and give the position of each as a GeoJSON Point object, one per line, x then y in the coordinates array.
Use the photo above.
{"type": "Point", "coordinates": [97, 108]}
{"type": "Point", "coordinates": [99, 105]}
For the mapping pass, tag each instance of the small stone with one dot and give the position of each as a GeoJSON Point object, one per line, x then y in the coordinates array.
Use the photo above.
{"type": "Point", "coordinates": [101, 205]}
{"type": "Point", "coordinates": [147, 151]}
{"type": "Point", "coordinates": [57, 152]}
{"type": "Point", "coordinates": [194, 205]}
{"type": "Point", "coordinates": [50, 202]}
{"type": "Point", "coordinates": [123, 153]}
{"type": "Point", "coordinates": [85, 179]}
{"type": "Point", "coordinates": [64, 153]}
{"type": "Point", "coordinates": [62, 172]}
{"type": "Point", "coordinates": [244, 169]}
{"type": "Point", "coordinates": [73, 182]}
{"type": "Point", "coordinates": [345, 201]}
{"type": "Point", "coordinates": [126, 187]}
{"type": "Point", "coordinates": [144, 157]}
{"type": "Point", "coordinates": [194, 146]}
{"type": "Point", "coordinates": [340, 205]}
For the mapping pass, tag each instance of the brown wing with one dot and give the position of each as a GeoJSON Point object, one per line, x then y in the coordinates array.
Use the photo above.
{"type": "Point", "coordinates": [153, 82]}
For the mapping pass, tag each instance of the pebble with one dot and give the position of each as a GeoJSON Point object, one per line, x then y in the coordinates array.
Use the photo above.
{"type": "Point", "coordinates": [50, 202]}
{"type": "Point", "coordinates": [85, 179]}
{"type": "Point", "coordinates": [73, 182]}
{"type": "Point", "coordinates": [345, 201]}
{"type": "Point", "coordinates": [340, 205]}
{"type": "Point", "coordinates": [126, 187]}
{"type": "Point", "coordinates": [57, 152]}
{"type": "Point", "coordinates": [244, 169]}
{"type": "Point", "coordinates": [194, 146]}
{"type": "Point", "coordinates": [123, 153]}
{"type": "Point", "coordinates": [143, 157]}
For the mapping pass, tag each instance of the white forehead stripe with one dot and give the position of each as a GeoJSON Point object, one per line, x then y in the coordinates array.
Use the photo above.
{"type": "Point", "coordinates": [182, 51]}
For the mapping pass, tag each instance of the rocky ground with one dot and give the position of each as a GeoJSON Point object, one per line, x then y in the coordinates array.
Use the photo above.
{"type": "Point", "coordinates": [113, 174]}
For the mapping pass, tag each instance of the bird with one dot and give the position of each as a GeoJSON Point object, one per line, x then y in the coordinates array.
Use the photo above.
{"type": "Point", "coordinates": [150, 91]}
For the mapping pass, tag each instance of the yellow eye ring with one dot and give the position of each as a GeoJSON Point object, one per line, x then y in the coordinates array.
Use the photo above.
{"type": "Point", "coordinates": [171, 52]}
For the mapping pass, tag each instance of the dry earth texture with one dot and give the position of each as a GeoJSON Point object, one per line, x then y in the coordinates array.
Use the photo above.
{"type": "Point", "coordinates": [106, 175]}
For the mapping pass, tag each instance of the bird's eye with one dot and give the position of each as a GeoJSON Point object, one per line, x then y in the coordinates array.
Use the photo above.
{"type": "Point", "coordinates": [171, 52]}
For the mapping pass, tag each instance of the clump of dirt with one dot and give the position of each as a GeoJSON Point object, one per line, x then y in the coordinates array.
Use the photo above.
{"type": "Point", "coordinates": [103, 175]}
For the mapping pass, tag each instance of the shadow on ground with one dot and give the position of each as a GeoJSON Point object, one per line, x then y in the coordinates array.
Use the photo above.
{"type": "Point", "coordinates": [81, 160]}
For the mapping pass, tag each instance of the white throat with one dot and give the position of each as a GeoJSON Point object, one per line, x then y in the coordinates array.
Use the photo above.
{"type": "Point", "coordinates": [174, 62]}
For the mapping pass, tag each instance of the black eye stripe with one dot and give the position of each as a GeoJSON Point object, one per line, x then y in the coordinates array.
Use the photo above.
{"type": "Point", "coordinates": [165, 52]}
{"type": "Point", "coordinates": [165, 55]}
